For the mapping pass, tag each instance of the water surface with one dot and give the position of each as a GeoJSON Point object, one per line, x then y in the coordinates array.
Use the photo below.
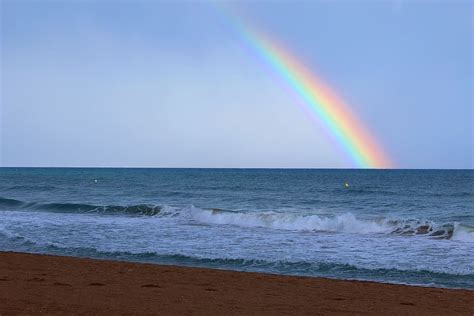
{"type": "Point", "coordinates": [399, 226]}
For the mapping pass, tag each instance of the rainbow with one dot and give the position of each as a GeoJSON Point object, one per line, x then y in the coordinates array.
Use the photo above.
{"type": "Point", "coordinates": [329, 108]}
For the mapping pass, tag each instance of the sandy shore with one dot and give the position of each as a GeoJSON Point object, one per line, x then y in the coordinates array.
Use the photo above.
{"type": "Point", "coordinates": [51, 284]}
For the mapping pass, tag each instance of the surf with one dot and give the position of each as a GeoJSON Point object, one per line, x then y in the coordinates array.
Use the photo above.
{"type": "Point", "coordinates": [346, 223]}
{"type": "Point", "coordinates": [291, 220]}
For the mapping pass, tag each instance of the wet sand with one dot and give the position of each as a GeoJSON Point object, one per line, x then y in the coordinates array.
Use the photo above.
{"type": "Point", "coordinates": [57, 285]}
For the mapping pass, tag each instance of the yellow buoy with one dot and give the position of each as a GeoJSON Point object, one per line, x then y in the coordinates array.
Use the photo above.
{"type": "Point", "coordinates": [346, 184]}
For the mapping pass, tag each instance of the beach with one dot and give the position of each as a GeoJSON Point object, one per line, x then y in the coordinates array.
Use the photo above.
{"type": "Point", "coordinates": [32, 283]}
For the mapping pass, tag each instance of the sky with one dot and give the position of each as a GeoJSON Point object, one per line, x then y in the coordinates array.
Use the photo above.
{"type": "Point", "coordinates": [172, 84]}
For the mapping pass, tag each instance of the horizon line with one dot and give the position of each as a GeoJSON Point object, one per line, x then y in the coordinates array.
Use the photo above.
{"type": "Point", "coordinates": [228, 168]}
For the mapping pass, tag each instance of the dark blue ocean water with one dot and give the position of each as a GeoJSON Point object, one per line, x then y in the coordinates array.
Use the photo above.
{"type": "Point", "coordinates": [400, 226]}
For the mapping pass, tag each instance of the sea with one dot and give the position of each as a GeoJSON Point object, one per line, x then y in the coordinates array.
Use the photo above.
{"type": "Point", "coordinates": [395, 226]}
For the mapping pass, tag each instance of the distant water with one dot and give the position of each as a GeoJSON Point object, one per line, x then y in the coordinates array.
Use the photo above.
{"type": "Point", "coordinates": [399, 226]}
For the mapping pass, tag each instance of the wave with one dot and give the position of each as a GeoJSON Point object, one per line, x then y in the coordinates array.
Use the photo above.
{"type": "Point", "coordinates": [453, 194]}
{"type": "Point", "coordinates": [31, 188]}
{"type": "Point", "coordinates": [23, 244]}
{"type": "Point", "coordinates": [11, 203]}
{"type": "Point", "coordinates": [337, 270]}
{"type": "Point", "coordinates": [139, 209]}
{"type": "Point", "coordinates": [345, 223]}
{"type": "Point", "coordinates": [381, 192]}
{"type": "Point", "coordinates": [342, 223]}
{"type": "Point", "coordinates": [366, 191]}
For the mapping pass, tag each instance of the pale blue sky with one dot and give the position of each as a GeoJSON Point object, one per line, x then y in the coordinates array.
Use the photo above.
{"type": "Point", "coordinates": [170, 84]}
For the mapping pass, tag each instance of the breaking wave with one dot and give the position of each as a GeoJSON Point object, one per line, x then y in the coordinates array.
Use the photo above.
{"type": "Point", "coordinates": [346, 223]}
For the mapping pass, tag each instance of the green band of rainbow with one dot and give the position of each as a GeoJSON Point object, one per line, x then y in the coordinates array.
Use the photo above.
{"type": "Point", "coordinates": [332, 111]}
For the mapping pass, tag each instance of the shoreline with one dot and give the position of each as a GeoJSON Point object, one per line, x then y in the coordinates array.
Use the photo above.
{"type": "Point", "coordinates": [32, 283]}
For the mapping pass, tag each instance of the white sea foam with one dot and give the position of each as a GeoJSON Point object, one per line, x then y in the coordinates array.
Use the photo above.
{"type": "Point", "coordinates": [463, 233]}
{"type": "Point", "coordinates": [341, 223]}
{"type": "Point", "coordinates": [346, 223]}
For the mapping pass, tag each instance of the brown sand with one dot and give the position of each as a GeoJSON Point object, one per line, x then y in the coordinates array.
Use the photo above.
{"type": "Point", "coordinates": [31, 284]}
